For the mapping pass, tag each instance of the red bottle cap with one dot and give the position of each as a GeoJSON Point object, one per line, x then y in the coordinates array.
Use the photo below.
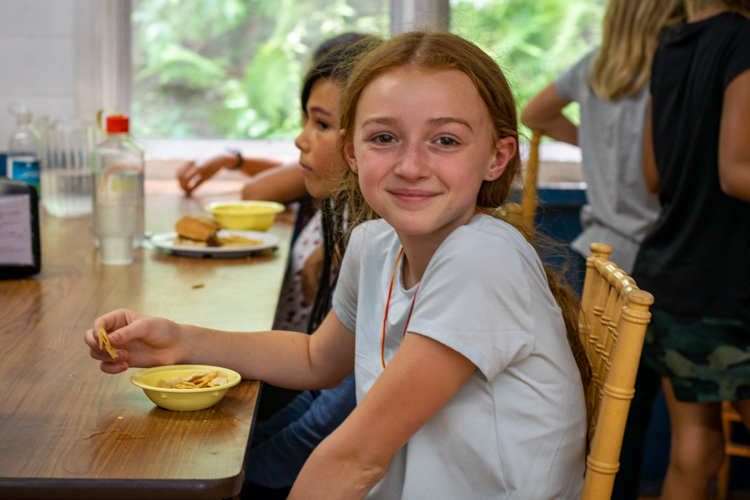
{"type": "Point", "coordinates": [117, 124]}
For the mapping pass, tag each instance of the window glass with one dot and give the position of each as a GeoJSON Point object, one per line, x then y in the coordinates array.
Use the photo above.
{"type": "Point", "coordinates": [532, 40]}
{"type": "Point", "coordinates": [232, 68]}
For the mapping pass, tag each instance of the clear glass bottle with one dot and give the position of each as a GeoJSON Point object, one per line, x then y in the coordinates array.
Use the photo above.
{"type": "Point", "coordinates": [23, 148]}
{"type": "Point", "coordinates": [117, 170]}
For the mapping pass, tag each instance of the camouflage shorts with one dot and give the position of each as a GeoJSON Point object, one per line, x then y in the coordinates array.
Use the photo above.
{"type": "Point", "coordinates": [706, 359]}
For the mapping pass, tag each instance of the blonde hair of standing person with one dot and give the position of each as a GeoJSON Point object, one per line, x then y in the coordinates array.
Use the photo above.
{"type": "Point", "coordinates": [631, 32]}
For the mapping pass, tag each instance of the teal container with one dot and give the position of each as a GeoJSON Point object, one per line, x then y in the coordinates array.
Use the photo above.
{"type": "Point", "coordinates": [24, 168]}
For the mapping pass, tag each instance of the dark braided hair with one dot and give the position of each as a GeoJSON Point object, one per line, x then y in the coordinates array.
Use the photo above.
{"type": "Point", "coordinates": [335, 64]}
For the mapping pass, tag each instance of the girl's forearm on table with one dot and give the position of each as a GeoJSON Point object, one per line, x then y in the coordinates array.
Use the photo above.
{"type": "Point", "coordinates": [285, 359]}
{"type": "Point", "coordinates": [280, 358]}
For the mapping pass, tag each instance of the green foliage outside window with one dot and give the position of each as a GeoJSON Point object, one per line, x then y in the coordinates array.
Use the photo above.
{"type": "Point", "coordinates": [232, 68]}
{"type": "Point", "coordinates": [532, 40]}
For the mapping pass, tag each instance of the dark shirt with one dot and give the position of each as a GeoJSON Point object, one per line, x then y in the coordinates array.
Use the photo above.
{"type": "Point", "coordinates": [696, 258]}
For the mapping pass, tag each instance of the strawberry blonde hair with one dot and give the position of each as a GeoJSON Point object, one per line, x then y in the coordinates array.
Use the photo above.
{"type": "Point", "coordinates": [445, 51]}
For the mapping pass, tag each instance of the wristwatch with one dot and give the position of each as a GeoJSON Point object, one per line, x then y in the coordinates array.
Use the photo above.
{"type": "Point", "coordinates": [240, 160]}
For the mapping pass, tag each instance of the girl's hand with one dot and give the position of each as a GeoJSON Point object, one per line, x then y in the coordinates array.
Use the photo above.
{"type": "Point", "coordinates": [194, 173]}
{"type": "Point", "coordinates": [140, 341]}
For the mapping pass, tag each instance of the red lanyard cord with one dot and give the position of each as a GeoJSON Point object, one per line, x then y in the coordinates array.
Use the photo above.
{"type": "Point", "coordinates": [390, 290]}
{"type": "Point", "coordinates": [387, 304]}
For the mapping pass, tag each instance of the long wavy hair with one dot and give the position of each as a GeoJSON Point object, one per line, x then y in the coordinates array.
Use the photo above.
{"type": "Point", "coordinates": [631, 32]}
{"type": "Point", "coordinates": [334, 61]}
{"type": "Point", "coordinates": [445, 51]}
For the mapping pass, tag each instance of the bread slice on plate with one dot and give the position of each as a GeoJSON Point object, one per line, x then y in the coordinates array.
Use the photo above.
{"type": "Point", "coordinates": [193, 229]}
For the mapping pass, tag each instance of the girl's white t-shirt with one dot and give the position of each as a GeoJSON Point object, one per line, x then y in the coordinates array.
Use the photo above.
{"type": "Point", "coordinates": [517, 428]}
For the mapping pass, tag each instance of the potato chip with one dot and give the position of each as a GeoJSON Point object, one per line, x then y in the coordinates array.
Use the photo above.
{"type": "Point", "coordinates": [196, 381]}
{"type": "Point", "coordinates": [104, 342]}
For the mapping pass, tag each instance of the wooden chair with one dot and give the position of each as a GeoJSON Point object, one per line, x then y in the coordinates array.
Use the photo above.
{"type": "Point", "coordinates": [529, 198]}
{"type": "Point", "coordinates": [613, 318]}
{"type": "Point", "coordinates": [729, 415]}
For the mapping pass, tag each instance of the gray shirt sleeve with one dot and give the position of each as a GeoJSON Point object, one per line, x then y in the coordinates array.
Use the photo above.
{"type": "Point", "coordinates": [572, 82]}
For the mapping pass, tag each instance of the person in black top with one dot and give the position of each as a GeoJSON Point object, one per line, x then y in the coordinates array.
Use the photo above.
{"type": "Point", "coordinates": [696, 258]}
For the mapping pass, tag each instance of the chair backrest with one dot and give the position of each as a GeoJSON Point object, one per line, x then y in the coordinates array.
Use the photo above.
{"type": "Point", "coordinates": [529, 198]}
{"type": "Point", "coordinates": [613, 318]}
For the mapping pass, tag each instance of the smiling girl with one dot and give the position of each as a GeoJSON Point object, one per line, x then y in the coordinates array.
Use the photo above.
{"type": "Point", "coordinates": [464, 347]}
{"type": "Point", "coordinates": [466, 382]}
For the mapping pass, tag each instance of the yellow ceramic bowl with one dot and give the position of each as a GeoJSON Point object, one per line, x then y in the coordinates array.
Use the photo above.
{"type": "Point", "coordinates": [245, 215]}
{"type": "Point", "coordinates": [182, 399]}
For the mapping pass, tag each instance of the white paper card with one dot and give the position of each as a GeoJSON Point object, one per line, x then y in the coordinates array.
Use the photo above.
{"type": "Point", "coordinates": [15, 230]}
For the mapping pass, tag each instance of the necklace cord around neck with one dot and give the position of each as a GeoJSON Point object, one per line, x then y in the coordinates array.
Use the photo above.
{"type": "Point", "coordinates": [387, 304]}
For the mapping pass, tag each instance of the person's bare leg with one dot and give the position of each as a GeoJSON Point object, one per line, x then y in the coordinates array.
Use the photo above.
{"type": "Point", "coordinates": [697, 448]}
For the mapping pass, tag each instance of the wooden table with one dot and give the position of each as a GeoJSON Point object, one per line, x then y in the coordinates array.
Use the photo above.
{"type": "Point", "coordinates": [67, 430]}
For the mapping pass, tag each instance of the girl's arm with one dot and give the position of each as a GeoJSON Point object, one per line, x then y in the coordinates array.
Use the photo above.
{"type": "Point", "coordinates": [544, 113]}
{"type": "Point", "coordinates": [194, 173]}
{"type": "Point", "coordinates": [282, 184]}
{"type": "Point", "coordinates": [734, 139]}
{"type": "Point", "coordinates": [649, 162]}
{"type": "Point", "coordinates": [285, 359]}
{"type": "Point", "coordinates": [420, 379]}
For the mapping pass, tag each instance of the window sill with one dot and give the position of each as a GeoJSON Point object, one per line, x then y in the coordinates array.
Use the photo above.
{"type": "Point", "coordinates": [559, 163]}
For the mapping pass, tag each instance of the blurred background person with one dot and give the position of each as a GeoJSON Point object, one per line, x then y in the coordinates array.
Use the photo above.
{"type": "Point", "coordinates": [611, 86]}
{"type": "Point", "coordinates": [270, 178]}
{"type": "Point", "coordinates": [695, 258]}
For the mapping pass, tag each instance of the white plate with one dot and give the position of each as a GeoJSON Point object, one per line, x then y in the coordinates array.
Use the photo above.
{"type": "Point", "coordinates": [165, 242]}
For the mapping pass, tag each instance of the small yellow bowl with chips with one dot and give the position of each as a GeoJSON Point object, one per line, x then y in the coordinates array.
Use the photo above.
{"type": "Point", "coordinates": [245, 215]}
{"type": "Point", "coordinates": [175, 392]}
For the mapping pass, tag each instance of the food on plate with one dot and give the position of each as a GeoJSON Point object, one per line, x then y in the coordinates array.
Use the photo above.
{"type": "Point", "coordinates": [104, 342]}
{"type": "Point", "coordinates": [201, 231]}
{"type": "Point", "coordinates": [187, 242]}
{"type": "Point", "coordinates": [235, 240]}
{"type": "Point", "coordinates": [197, 230]}
{"type": "Point", "coordinates": [196, 381]}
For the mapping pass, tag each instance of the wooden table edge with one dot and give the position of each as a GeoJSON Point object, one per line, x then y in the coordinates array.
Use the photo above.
{"type": "Point", "coordinates": [120, 489]}
{"type": "Point", "coordinates": [124, 489]}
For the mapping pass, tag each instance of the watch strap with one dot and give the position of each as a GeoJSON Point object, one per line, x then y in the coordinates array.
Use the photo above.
{"type": "Point", "coordinates": [240, 160]}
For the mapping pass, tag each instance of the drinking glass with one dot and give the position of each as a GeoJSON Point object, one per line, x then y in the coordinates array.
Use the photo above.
{"type": "Point", "coordinates": [66, 179]}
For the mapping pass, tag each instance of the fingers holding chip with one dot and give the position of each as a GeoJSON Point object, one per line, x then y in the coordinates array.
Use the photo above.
{"type": "Point", "coordinates": [104, 342]}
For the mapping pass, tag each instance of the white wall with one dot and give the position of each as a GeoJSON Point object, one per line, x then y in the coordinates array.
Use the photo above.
{"type": "Point", "coordinates": [37, 59]}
